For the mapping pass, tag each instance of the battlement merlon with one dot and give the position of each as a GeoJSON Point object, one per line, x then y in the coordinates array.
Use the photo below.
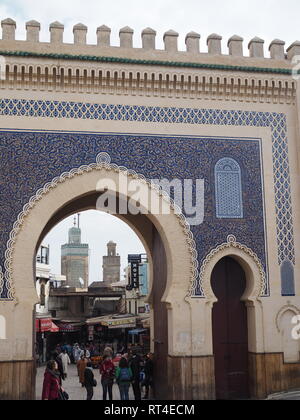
{"type": "Point", "coordinates": [278, 57]}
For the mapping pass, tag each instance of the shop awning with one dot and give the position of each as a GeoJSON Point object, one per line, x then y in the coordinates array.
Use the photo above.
{"type": "Point", "coordinates": [54, 328]}
{"type": "Point", "coordinates": [129, 322]}
{"type": "Point", "coordinates": [136, 331]}
{"type": "Point", "coordinates": [43, 324]}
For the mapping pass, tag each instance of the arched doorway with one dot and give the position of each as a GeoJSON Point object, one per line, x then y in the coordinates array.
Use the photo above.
{"type": "Point", "coordinates": [152, 241]}
{"type": "Point", "coordinates": [167, 239]}
{"type": "Point", "coordinates": [230, 331]}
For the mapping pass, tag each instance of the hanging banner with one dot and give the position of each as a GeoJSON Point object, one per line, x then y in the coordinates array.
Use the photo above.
{"type": "Point", "coordinates": [69, 328]}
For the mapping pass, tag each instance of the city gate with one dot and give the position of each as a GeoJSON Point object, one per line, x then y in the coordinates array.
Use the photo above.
{"type": "Point", "coordinates": [73, 115]}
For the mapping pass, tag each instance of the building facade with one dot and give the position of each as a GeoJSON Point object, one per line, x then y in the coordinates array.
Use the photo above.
{"type": "Point", "coordinates": [75, 260]}
{"type": "Point", "coordinates": [111, 264]}
{"type": "Point", "coordinates": [44, 326]}
{"type": "Point", "coordinates": [136, 297]}
{"type": "Point", "coordinates": [225, 126]}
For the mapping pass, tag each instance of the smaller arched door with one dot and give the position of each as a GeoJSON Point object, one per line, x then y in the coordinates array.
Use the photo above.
{"type": "Point", "coordinates": [230, 332]}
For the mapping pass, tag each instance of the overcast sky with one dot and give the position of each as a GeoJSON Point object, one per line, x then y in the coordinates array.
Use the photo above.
{"type": "Point", "coordinates": [97, 229]}
{"type": "Point", "coordinates": [268, 19]}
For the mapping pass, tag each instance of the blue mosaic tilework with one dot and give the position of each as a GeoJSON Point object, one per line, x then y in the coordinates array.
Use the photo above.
{"type": "Point", "coordinates": [228, 184]}
{"type": "Point", "coordinates": [31, 159]}
{"type": "Point", "coordinates": [276, 122]}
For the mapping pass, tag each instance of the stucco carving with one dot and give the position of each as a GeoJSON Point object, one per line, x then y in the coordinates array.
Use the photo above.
{"type": "Point", "coordinates": [281, 312]}
{"type": "Point", "coordinates": [233, 245]}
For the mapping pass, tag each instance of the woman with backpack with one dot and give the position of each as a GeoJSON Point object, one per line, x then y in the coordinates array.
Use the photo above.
{"type": "Point", "coordinates": [107, 371]}
{"type": "Point", "coordinates": [124, 376]}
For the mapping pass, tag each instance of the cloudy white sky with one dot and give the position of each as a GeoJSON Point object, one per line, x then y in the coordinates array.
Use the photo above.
{"type": "Point", "coordinates": [97, 229]}
{"type": "Point", "coordinates": [268, 19]}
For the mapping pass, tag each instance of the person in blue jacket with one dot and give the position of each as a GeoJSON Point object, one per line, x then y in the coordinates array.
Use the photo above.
{"type": "Point", "coordinates": [123, 377]}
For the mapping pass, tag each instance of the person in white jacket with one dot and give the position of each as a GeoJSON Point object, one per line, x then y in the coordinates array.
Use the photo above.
{"type": "Point", "coordinates": [77, 352]}
{"type": "Point", "coordinates": [65, 362]}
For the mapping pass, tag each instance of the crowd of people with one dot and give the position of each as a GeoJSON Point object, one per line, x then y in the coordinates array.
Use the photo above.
{"type": "Point", "coordinates": [124, 368]}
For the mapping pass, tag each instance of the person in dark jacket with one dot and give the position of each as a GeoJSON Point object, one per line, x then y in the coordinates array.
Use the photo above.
{"type": "Point", "coordinates": [148, 370]}
{"type": "Point", "coordinates": [89, 381]}
{"type": "Point", "coordinates": [60, 367]}
{"type": "Point", "coordinates": [135, 365]}
{"type": "Point", "coordinates": [51, 385]}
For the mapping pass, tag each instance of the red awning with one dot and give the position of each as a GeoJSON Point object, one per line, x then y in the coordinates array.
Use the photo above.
{"type": "Point", "coordinates": [45, 324]}
{"type": "Point", "coordinates": [54, 328]}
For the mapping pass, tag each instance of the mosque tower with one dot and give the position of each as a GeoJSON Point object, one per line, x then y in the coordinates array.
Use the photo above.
{"type": "Point", "coordinates": [111, 264]}
{"type": "Point", "coordinates": [75, 259]}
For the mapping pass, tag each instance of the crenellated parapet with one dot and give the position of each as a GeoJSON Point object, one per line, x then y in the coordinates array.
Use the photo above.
{"type": "Point", "coordinates": [195, 73]}
{"type": "Point", "coordinates": [148, 36]}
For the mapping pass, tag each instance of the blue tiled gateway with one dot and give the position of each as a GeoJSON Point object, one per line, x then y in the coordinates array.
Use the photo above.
{"type": "Point", "coordinates": [68, 120]}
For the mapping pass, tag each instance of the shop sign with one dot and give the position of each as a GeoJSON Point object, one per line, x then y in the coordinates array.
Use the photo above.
{"type": "Point", "coordinates": [45, 325]}
{"type": "Point", "coordinates": [68, 328]}
{"type": "Point", "coordinates": [119, 323]}
{"type": "Point", "coordinates": [122, 326]}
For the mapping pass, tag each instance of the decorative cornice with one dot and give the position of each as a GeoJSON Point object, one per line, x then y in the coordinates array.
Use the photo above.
{"type": "Point", "coordinates": [102, 59]}
{"type": "Point", "coordinates": [113, 78]}
{"type": "Point", "coordinates": [103, 161]}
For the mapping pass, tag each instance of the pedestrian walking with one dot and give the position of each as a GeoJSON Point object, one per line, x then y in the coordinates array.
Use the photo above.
{"type": "Point", "coordinates": [86, 353]}
{"type": "Point", "coordinates": [81, 365]}
{"type": "Point", "coordinates": [52, 385]}
{"type": "Point", "coordinates": [89, 381]}
{"type": "Point", "coordinates": [108, 351]}
{"type": "Point", "coordinates": [115, 346]}
{"type": "Point", "coordinates": [107, 371]}
{"type": "Point", "coordinates": [65, 362]}
{"type": "Point", "coordinates": [123, 377]}
{"type": "Point", "coordinates": [59, 366]}
{"type": "Point", "coordinates": [148, 370]}
{"type": "Point", "coordinates": [77, 352]}
{"type": "Point", "coordinates": [135, 365]}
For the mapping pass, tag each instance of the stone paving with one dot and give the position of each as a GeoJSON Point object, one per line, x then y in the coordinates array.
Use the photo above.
{"type": "Point", "coordinates": [77, 392]}
{"type": "Point", "coordinates": [74, 388]}
{"type": "Point", "coordinates": [287, 396]}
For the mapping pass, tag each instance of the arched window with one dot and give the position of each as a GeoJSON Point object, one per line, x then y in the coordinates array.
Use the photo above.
{"type": "Point", "coordinates": [228, 184]}
{"type": "Point", "coordinates": [287, 279]}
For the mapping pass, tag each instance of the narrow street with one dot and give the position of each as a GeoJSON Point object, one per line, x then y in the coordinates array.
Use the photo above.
{"type": "Point", "coordinates": [74, 388]}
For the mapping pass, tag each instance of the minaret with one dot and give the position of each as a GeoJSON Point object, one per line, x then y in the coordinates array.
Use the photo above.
{"type": "Point", "coordinates": [111, 264]}
{"type": "Point", "coordinates": [75, 258]}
